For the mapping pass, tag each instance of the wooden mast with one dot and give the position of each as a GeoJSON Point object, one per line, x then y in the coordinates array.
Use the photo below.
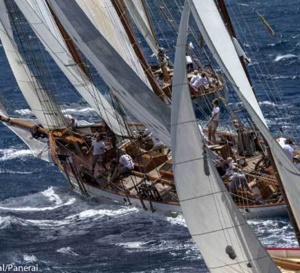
{"type": "Point", "coordinates": [120, 9]}
{"type": "Point", "coordinates": [228, 23]}
{"type": "Point", "coordinates": [69, 43]}
{"type": "Point", "coordinates": [149, 21]}
{"type": "Point", "coordinates": [231, 31]}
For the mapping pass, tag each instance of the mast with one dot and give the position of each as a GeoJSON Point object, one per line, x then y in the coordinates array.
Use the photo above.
{"type": "Point", "coordinates": [69, 43]}
{"type": "Point", "coordinates": [149, 21]}
{"type": "Point", "coordinates": [230, 28]}
{"type": "Point", "coordinates": [120, 9]}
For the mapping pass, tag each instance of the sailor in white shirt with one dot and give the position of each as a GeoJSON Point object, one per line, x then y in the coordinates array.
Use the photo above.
{"type": "Point", "coordinates": [98, 147]}
{"type": "Point", "coordinates": [288, 149]}
{"type": "Point", "coordinates": [125, 165]}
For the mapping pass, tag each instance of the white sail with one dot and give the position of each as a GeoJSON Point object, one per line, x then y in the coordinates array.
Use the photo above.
{"type": "Point", "coordinates": [139, 15]}
{"type": "Point", "coordinates": [223, 49]}
{"type": "Point", "coordinates": [39, 148]}
{"type": "Point", "coordinates": [40, 19]}
{"type": "Point", "coordinates": [209, 211]}
{"type": "Point", "coordinates": [42, 105]}
{"type": "Point", "coordinates": [132, 92]}
{"type": "Point", "coordinates": [106, 20]}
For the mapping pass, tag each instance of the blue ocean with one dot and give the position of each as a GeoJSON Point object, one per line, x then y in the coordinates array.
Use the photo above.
{"type": "Point", "coordinates": [44, 223]}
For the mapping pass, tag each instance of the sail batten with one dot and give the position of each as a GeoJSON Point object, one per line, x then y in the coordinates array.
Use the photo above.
{"type": "Point", "coordinates": [222, 235]}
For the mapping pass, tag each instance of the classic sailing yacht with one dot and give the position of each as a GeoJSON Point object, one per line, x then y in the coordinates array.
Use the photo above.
{"type": "Point", "coordinates": [226, 242]}
{"type": "Point", "coordinates": [150, 185]}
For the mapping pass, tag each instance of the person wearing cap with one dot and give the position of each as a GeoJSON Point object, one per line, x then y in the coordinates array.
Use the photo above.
{"type": "Point", "coordinates": [125, 165]}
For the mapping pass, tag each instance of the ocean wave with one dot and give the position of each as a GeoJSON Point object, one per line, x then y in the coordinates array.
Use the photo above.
{"type": "Point", "coordinates": [94, 213]}
{"type": "Point", "coordinates": [24, 112]}
{"type": "Point", "coordinates": [7, 171]}
{"type": "Point", "coordinates": [67, 250]}
{"type": "Point", "coordinates": [34, 202]}
{"type": "Point", "coordinates": [9, 154]}
{"type": "Point", "coordinates": [285, 57]}
{"type": "Point", "coordinates": [6, 222]}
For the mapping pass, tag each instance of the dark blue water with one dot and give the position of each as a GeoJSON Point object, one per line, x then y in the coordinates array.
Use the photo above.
{"type": "Point", "coordinates": [43, 222]}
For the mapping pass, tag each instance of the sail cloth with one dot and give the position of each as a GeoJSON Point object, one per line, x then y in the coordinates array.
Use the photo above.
{"type": "Point", "coordinates": [213, 219]}
{"type": "Point", "coordinates": [223, 50]}
{"type": "Point", "coordinates": [42, 105]}
{"type": "Point", "coordinates": [105, 19]}
{"type": "Point", "coordinates": [40, 19]}
{"type": "Point", "coordinates": [40, 149]}
{"type": "Point", "coordinates": [139, 15]}
{"type": "Point", "coordinates": [220, 44]}
{"type": "Point", "coordinates": [132, 92]}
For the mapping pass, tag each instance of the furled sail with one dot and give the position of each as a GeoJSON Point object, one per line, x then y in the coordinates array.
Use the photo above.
{"type": "Point", "coordinates": [42, 105]}
{"type": "Point", "coordinates": [132, 92]}
{"type": "Point", "coordinates": [223, 236]}
{"type": "Point", "coordinates": [105, 19]}
{"type": "Point", "coordinates": [222, 47]}
{"type": "Point", "coordinates": [40, 19]}
{"type": "Point", "coordinates": [139, 15]}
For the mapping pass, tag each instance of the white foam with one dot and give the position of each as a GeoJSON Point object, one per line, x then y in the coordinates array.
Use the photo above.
{"type": "Point", "coordinates": [67, 250]}
{"type": "Point", "coordinates": [132, 244]}
{"type": "Point", "coordinates": [285, 57]}
{"type": "Point", "coordinates": [69, 202]}
{"type": "Point", "coordinates": [29, 258]}
{"type": "Point", "coordinates": [93, 213]}
{"type": "Point", "coordinates": [34, 202]}
{"type": "Point", "coordinates": [8, 154]}
{"type": "Point", "coordinates": [52, 196]}
{"type": "Point", "coordinates": [24, 112]}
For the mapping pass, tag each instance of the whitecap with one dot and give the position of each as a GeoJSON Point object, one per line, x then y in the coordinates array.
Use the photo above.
{"type": "Point", "coordinates": [67, 250]}
{"type": "Point", "coordinates": [24, 112]}
{"type": "Point", "coordinates": [34, 202]}
{"type": "Point", "coordinates": [284, 57]}
{"type": "Point", "coordinates": [52, 196]}
{"type": "Point", "coordinates": [102, 212]}
{"type": "Point", "coordinates": [13, 172]}
{"type": "Point", "coordinates": [8, 154]}
{"type": "Point", "coordinates": [69, 202]}
{"type": "Point", "coordinates": [267, 103]}
{"type": "Point", "coordinates": [132, 244]}
{"type": "Point", "coordinates": [29, 258]}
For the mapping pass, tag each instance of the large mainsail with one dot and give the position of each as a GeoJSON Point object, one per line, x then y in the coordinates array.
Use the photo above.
{"type": "Point", "coordinates": [42, 105]}
{"type": "Point", "coordinates": [40, 19]}
{"type": "Point", "coordinates": [221, 45]}
{"type": "Point", "coordinates": [131, 91]}
{"type": "Point", "coordinates": [139, 15]}
{"type": "Point", "coordinates": [105, 19]}
{"type": "Point", "coordinates": [223, 236]}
